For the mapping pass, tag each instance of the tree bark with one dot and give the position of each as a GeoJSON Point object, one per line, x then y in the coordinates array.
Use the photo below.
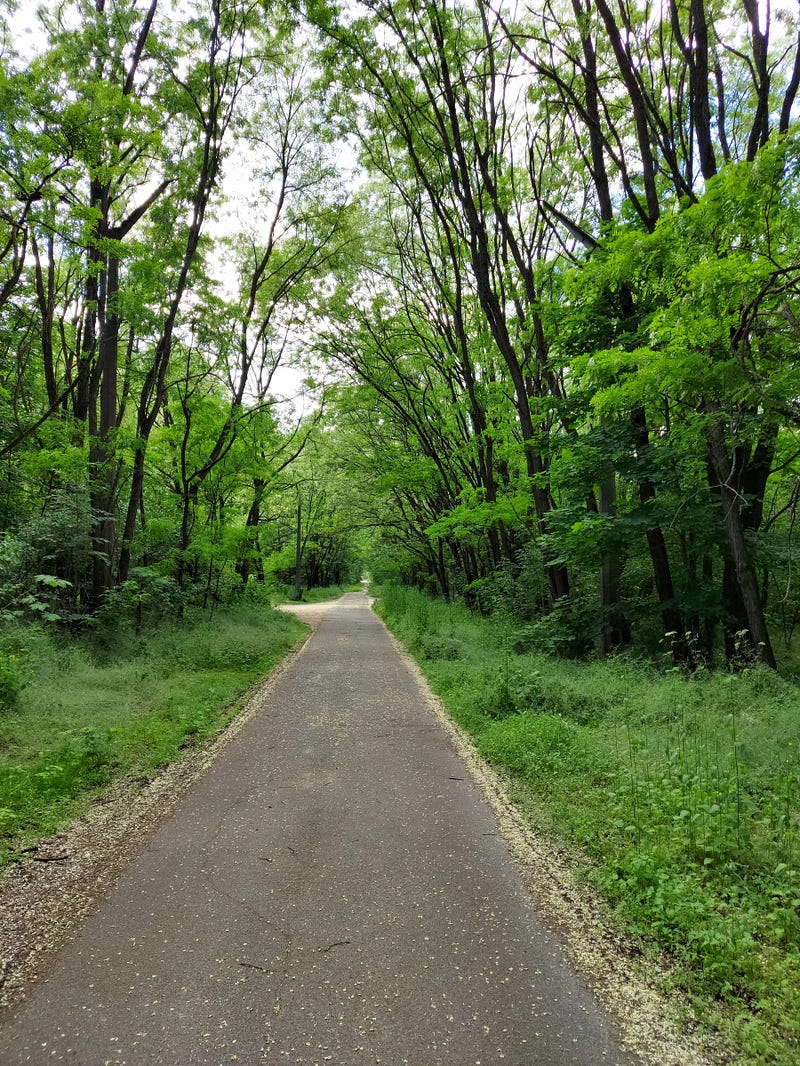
{"type": "Point", "coordinates": [298, 553]}
{"type": "Point", "coordinates": [104, 468]}
{"type": "Point", "coordinates": [659, 556]}
{"type": "Point", "coordinates": [616, 630]}
{"type": "Point", "coordinates": [730, 501]}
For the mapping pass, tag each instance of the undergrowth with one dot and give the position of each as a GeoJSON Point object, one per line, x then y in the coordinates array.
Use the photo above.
{"type": "Point", "coordinates": [285, 593]}
{"type": "Point", "coordinates": [681, 791]}
{"type": "Point", "coordinates": [77, 714]}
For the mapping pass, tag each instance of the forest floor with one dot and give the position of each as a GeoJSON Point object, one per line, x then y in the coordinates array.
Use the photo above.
{"type": "Point", "coordinates": [375, 911]}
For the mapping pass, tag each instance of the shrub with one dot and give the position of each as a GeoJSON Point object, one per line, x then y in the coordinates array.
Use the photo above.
{"type": "Point", "coordinates": [99, 710]}
{"type": "Point", "coordinates": [13, 678]}
{"type": "Point", "coordinates": [16, 644]}
{"type": "Point", "coordinates": [429, 646]}
{"type": "Point", "coordinates": [146, 595]}
{"type": "Point", "coordinates": [536, 745]}
{"type": "Point", "coordinates": [681, 790]}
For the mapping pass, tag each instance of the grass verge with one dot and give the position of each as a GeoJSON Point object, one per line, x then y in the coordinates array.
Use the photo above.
{"type": "Point", "coordinates": [682, 793]}
{"type": "Point", "coordinates": [76, 716]}
{"type": "Point", "coordinates": [285, 593]}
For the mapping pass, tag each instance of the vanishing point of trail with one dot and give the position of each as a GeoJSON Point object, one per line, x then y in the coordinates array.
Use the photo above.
{"type": "Point", "coordinates": [334, 889]}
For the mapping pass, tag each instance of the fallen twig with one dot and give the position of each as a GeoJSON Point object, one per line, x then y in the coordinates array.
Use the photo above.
{"type": "Point", "coordinates": [335, 944]}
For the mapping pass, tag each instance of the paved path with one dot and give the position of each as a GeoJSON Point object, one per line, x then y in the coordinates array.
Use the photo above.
{"type": "Point", "coordinates": [333, 890]}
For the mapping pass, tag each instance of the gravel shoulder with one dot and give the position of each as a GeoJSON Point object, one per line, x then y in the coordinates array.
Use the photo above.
{"type": "Point", "coordinates": [650, 1022]}
{"type": "Point", "coordinates": [45, 898]}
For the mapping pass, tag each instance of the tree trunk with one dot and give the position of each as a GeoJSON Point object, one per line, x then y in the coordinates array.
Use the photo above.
{"type": "Point", "coordinates": [442, 569]}
{"type": "Point", "coordinates": [102, 458]}
{"type": "Point", "coordinates": [657, 545]}
{"type": "Point", "coordinates": [298, 553]}
{"type": "Point", "coordinates": [616, 630]}
{"type": "Point", "coordinates": [252, 523]}
{"type": "Point", "coordinates": [134, 501]}
{"type": "Point", "coordinates": [746, 578]}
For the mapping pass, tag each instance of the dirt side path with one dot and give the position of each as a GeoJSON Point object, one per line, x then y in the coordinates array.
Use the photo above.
{"type": "Point", "coordinates": [333, 887]}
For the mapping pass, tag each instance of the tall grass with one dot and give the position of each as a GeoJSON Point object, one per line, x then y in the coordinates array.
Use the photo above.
{"type": "Point", "coordinates": [84, 713]}
{"type": "Point", "coordinates": [682, 792]}
{"type": "Point", "coordinates": [285, 593]}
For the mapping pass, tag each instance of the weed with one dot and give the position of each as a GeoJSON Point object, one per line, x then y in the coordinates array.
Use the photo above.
{"type": "Point", "coordinates": [514, 692]}
{"type": "Point", "coordinates": [538, 745]}
{"type": "Point", "coordinates": [682, 790]}
{"type": "Point", "coordinates": [285, 593]}
{"type": "Point", "coordinates": [447, 649]}
{"type": "Point", "coordinates": [13, 678]}
{"type": "Point", "coordinates": [90, 714]}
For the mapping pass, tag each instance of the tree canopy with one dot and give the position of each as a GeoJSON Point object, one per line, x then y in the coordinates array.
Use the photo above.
{"type": "Point", "coordinates": [535, 269]}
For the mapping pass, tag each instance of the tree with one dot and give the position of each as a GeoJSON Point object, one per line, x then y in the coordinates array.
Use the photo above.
{"type": "Point", "coordinates": [440, 80]}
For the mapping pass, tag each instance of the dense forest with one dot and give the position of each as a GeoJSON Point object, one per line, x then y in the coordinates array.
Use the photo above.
{"type": "Point", "coordinates": [533, 269]}
{"type": "Point", "coordinates": [495, 304]}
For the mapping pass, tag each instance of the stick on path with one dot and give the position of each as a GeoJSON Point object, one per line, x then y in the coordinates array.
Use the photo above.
{"type": "Point", "coordinates": [333, 890]}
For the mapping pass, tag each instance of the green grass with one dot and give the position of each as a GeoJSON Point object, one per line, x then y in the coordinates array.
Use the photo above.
{"type": "Point", "coordinates": [680, 793]}
{"type": "Point", "coordinates": [285, 593]}
{"type": "Point", "coordinates": [77, 715]}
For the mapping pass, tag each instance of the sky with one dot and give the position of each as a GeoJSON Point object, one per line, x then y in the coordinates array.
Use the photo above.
{"type": "Point", "coordinates": [288, 383]}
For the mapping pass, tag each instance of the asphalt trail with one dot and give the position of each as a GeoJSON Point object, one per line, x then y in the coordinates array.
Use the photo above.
{"type": "Point", "coordinates": [333, 890]}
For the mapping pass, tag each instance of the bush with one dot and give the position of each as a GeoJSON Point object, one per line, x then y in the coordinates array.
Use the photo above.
{"type": "Point", "coordinates": [514, 692]}
{"type": "Point", "coordinates": [17, 644]}
{"type": "Point", "coordinates": [100, 709]}
{"type": "Point", "coordinates": [13, 678]}
{"type": "Point", "coordinates": [147, 595]}
{"type": "Point", "coordinates": [43, 563]}
{"type": "Point", "coordinates": [447, 649]}
{"type": "Point", "coordinates": [682, 791]}
{"type": "Point", "coordinates": [539, 745]}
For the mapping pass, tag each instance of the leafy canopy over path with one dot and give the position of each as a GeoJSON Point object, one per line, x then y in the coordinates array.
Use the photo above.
{"type": "Point", "coordinates": [538, 269]}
